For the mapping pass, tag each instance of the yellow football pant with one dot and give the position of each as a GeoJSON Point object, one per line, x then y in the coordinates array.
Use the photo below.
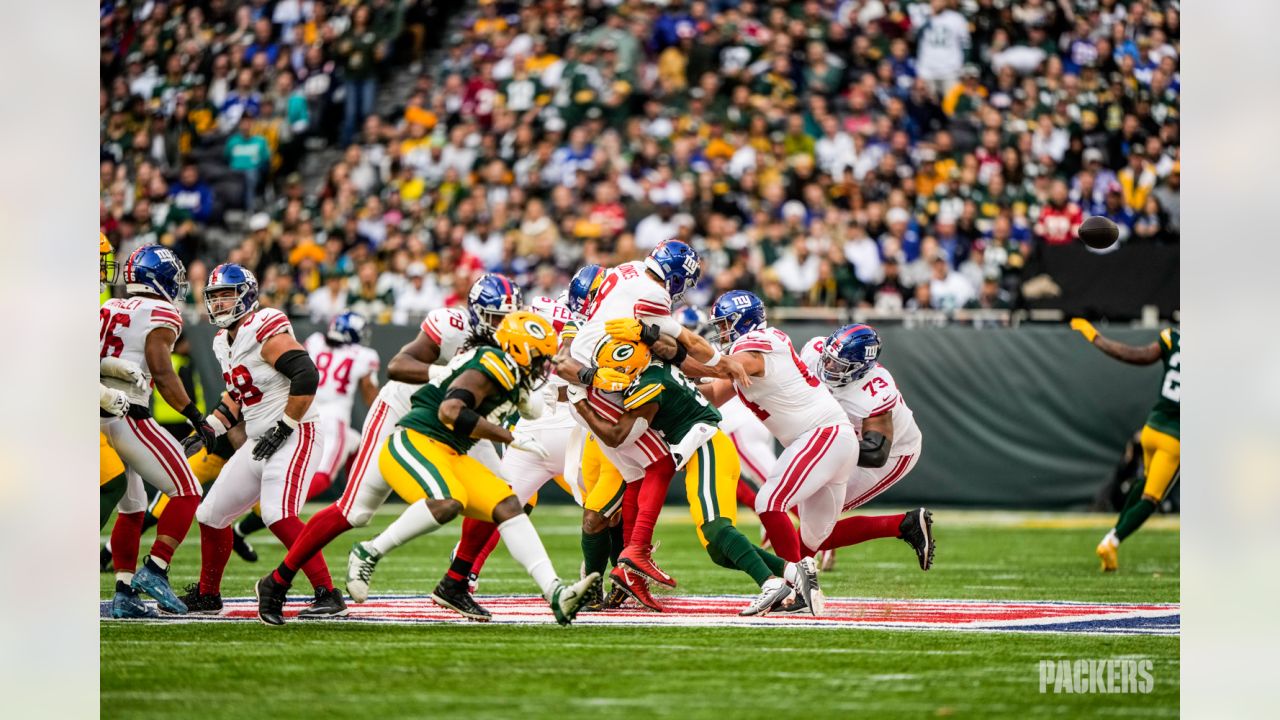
{"type": "Point", "coordinates": [601, 479]}
{"type": "Point", "coordinates": [418, 467]}
{"type": "Point", "coordinates": [1161, 455]}
{"type": "Point", "coordinates": [711, 482]}
{"type": "Point", "coordinates": [110, 466]}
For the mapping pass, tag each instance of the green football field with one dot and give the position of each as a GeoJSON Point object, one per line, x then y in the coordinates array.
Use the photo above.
{"type": "Point", "coordinates": [346, 669]}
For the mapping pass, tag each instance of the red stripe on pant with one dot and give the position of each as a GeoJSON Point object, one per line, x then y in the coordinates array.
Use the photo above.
{"type": "Point", "coordinates": [295, 475]}
{"type": "Point", "coordinates": [826, 439]}
{"type": "Point", "coordinates": [175, 467]}
{"type": "Point", "coordinates": [898, 470]}
{"type": "Point", "coordinates": [368, 446]}
{"type": "Point", "coordinates": [796, 471]}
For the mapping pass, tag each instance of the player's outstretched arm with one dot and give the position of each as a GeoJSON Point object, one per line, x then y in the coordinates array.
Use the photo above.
{"type": "Point", "coordinates": [1132, 354]}
{"type": "Point", "coordinates": [413, 363]}
{"type": "Point", "coordinates": [458, 411]}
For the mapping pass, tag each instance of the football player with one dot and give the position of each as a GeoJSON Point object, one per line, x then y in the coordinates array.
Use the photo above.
{"type": "Point", "coordinates": [1161, 435]}
{"type": "Point", "coordinates": [440, 338]}
{"type": "Point", "coordinates": [662, 398]}
{"type": "Point", "coordinates": [271, 382]}
{"type": "Point", "coordinates": [889, 440]}
{"type": "Point", "coordinates": [111, 474]}
{"type": "Point", "coordinates": [426, 463]}
{"type": "Point", "coordinates": [142, 329]}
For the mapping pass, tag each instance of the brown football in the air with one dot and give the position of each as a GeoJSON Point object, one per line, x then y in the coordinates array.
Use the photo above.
{"type": "Point", "coordinates": [1099, 233]}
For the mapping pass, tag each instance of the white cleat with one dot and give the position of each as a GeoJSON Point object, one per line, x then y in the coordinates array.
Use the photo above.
{"type": "Point", "coordinates": [566, 599]}
{"type": "Point", "coordinates": [774, 591]}
{"type": "Point", "coordinates": [807, 586]}
{"type": "Point", "coordinates": [360, 564]}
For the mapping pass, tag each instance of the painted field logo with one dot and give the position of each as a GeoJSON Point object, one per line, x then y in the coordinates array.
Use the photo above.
{"type": "Point", "coordinates": [1098, 676]}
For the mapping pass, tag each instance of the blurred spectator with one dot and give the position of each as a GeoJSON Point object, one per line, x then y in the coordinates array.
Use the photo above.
{"type": "Point", "coordinates": [1168, 195]}
{"type": "Point", "coordinates": [248, 155]}
{"type": "Point", "coordinates": [418, 298]}
{"type": "Point", "coordinates": [192, 197]}
{"type": "Point", "coordinates": [948, 290]}
{"type": "Point", "coordinates": [330, 298]}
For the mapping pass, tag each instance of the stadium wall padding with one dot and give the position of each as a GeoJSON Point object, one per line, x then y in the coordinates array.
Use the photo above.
{"type": "Point", "coordinates": [1026, 418]}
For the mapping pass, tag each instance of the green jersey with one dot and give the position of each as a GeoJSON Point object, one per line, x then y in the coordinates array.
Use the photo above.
{"type": "Point", "coordinates": [494, 364]}
{"type": "Point", "coordinates": [1164, 416]}
{"type": "Point", "coordinates": [680, 405]}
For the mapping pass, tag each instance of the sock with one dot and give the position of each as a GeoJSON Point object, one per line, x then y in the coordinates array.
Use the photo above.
{"type": "Point", "coordinates": [617, 540]}
{"type": "Point", "coordinates": [250, 523]}
{"type": "Point", "coordinates": [630, 508]}
{"type": "Point", "coordinates": [151, 520]}
{"type": "Point", "coordinates": [595, 551]}
{"type": "Point", "coordinates": [173, 526]}
{"type": "Point", "coordinates": [653, 493]}
{"type": "Point", "coordinates": [525, 546]}
{"type": "Point", "coordinates": [319, 483]}
{"type": "Point", "coordinates": [123, 586]}
{"type": "Point", "coordinates": [215, 550]}
{"type": "Point", "coordinates": [323, 527]}
{"type": "Point", "coordinates": [157, 565]}
{"type": "Point", "coordinates": [738, 549]}
{"type": "Point", "coordinates": [1132, 518]}
{"type": "Point", "coordinates": [783, 535]}
{"type": "Point", "coordinates": [124, 577]}
{"type": "Point", "coordinates": [861, 528]}
{"type": "Point", "coordinates": [777, 566]}
{"type": "Point", "coordinates": [478, 564]}
{"type": "Point", "coordinates": [475, 536]}
{"type": "Point", "coordinates": [746, 494]}
{"type": "Point", "coordinates": [317, 571]}
{"type": "Point", "coordinates": [458, 570]}
{"type": "Point", "coordinates": [125, 537]}
{"type": "Point", "coordinates": [414, 521]}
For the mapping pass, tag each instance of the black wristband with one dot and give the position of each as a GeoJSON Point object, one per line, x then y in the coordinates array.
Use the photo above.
{"type": "Point", "coordinates": [681, 353]}
{"type": "Point", "coordinates": [586, 375]}
{"type": "Point", "coordinates": [649, 334]}
{"type": "Point", "coordinates": [466, 422]}
{"type": "Point", "coordinates": [192, 413]}
{"type": "Point", "coordinates": [232, 418]}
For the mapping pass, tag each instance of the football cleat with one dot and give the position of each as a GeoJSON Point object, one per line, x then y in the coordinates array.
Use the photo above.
{"type": "Point", "coordinates": [453, 594]}
{"type": "Point", "coordinates": [639, 558]}
{"type": "Point", "coordinates": [773, 591]}
{"type": "Point", "coordinates": [104, 560]}
{"type": "Point", "coordinates": [153, 581]}
{"type": "Point", "coordinates": [594, 600]}
{"type": "Point", "coordinates": [807, 586]}
{"type": "Point", "coordinates": [567, 599]}
{"type": "Point", "coordinates": [127, 604]}
{"type": "Point", "coordinates": [1108, 553]}
{"type": "Point", "coordinates": [826, 560]}
{"type": "Point", "coordinates": [241, 546]}
{"type": "Point", "coordinates": [360, 564]}
{"type": "Point", "coordinates": [792, 605]}
{"type": "Point", "coordinates": [617, 597]}
{"type": "Point", "coordinates": [916, 530]}
{"type": "Point", "coordinates": [271, 597]}
{"type": "Point", "coordinates": [328, 603]}
{"type": "Point", "coordinates": [201, 604]}
{"type": "Point", "coordinates": [635, 586]}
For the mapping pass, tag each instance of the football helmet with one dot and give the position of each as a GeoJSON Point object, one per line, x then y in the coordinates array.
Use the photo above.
{"type": "Point", "coordinates": [225, 309]}
{"type": "Point", "coordinates": [348, 328]}
{"type": "Point", "coordinates": [492, 297]}
{"type": "Point", "coordinates": [530, 340]}
{"type": "Point", "coordinates": [624, 356]}
{"type": "Point", "coordinates": [735, 314]}
{"type": "Point", "coordinates": [677, 265]}
{"type": "Point", "coordinates": [583, 288]}
{"type": "Point", "coordinates": [848, 354]}
{"type": "Point", "coordinates": [108, 269]}
{"type": "Point", "coordinates": [155, 270]}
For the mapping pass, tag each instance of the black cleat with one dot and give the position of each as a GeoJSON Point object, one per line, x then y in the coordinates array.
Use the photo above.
{"type": "Point", "coordinates": [793, 605]}
{"type": "Point", "coordinates": [916, 530]}
{"type": "Point", "coordinates": [328, 603]}
{"type": "Point", "coordinates": [200, 604]}
{"type": "Point", "coordinates": [242, 547]}
{"type": "Point", "coordinates": [453, 594]}
{"type": "Point", "coordinates": [104, 560]}
{"type": "Point", "coordinates": [271, 597]}
{"type": "Point", "coordinates": [594, 599]}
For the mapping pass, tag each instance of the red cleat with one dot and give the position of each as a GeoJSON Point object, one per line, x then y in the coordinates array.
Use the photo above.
{"type": "Point", "coordinates": [635, 587]}
{"type": "Point", "coordinates": [640, 559]}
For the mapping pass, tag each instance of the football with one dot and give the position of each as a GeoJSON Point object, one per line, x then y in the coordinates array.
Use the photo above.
{"type": "Point", "coordinates": [1099, 233]}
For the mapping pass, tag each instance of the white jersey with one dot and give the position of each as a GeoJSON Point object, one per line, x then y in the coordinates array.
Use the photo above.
{"type": "Point", "coordinates": [625, 292]}
{"type": "Point", "coordinates": [124, 326]}
{"type": "Point", "coordinates": [787, 398]}
{"type": "Point", "coordinates": [341, 369]}
{"type": "Point", "coordinates": [447, 327]}
{"type": "Point", "coordinates": [261, 390]}
{"type": "Point", "coordinates": [871, 395]}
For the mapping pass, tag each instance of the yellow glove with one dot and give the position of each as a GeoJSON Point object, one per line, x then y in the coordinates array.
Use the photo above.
{"type": "Point", "coordinates": [624, 329]}
{"type": "Point", "coordinates": [610, 380]}
{"type": "Point", "coordinates": [1085, 328]}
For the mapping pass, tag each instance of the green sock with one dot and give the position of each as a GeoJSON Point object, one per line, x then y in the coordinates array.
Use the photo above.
{"type": "Point", "coordinates": [1132, 518]}
{"type": "Point", "coordinates": [775, 564]}
{"type": "Point", "coordinates": [595, 551]}
{"type": "Point", "coordinates": [108, 495]}
{"type": "Point", "coordinates": [1135, 494]}
{"type": "Point", "coordinates": [249, 524]}
{"type": "Point", "coordinates": [616, 542]}
{"type": "Point", "coordinates": [735, 546]}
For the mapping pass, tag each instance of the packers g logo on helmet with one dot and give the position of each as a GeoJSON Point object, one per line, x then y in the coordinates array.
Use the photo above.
{"type": "Point", "coordinates": [627, 357]}
{"type": "Point", "coordinates": [527, 338]}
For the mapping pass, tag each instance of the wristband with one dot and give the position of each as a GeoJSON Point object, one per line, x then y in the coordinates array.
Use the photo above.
{"type": "Point", "coordinates": [681, 353]}
{"type": "Point", "coordinates": [289, 422]}
{"type": "Point", "coordinates": [219, 428]}
{"type": "Point", "coordinates": [192, 413]}
{"type": "Point", "coordinates": [715, 358]}
{"type": "Point", "coordinates": [586, 375]}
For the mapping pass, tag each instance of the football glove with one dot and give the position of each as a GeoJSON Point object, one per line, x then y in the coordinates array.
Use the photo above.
{"type": "Point", "coordinates": [113, 401]}
{"type": "Point", "coordinates": [191, 444]}
{"type": "Point", "coordinates": [632, 330]}
{"type": "Point", "coordinates": [1085, 328]}
{"type": "Point", "coordinates": [574, 393]}
{"type": "Point", "coordinates": [528, 443]}
{"type": "Point", "coordinates": [126, 370]}
{"type": "Point", "coordinates": [271, 441]}
{"type": "Point", "coordinates": [531, 405]}
{"type": "Point", "coordinates": [610, 380]}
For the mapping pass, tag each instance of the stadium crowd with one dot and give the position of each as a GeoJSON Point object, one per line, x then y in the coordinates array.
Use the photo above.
{"type": "Point", "coordinates": [874, 153]}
